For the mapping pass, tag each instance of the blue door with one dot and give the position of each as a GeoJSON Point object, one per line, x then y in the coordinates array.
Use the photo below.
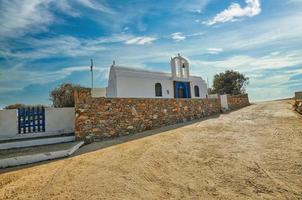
{"type": "Point", "coordinates": [182, 90]}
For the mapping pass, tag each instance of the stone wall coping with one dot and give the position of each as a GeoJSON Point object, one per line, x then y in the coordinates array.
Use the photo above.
{"type": "Point", "coordinates": [144, 99]}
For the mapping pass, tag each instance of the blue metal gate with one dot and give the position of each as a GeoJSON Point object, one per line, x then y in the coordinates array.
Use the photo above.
{"type": "Point", "coordinates": [31, 120]}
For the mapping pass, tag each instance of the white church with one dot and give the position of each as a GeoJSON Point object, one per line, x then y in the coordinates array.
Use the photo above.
{"type": "Point", "coordinates": [127, 82]}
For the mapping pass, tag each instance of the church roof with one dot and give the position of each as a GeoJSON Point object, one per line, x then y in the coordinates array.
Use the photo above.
{"type": "Point", "coordinates": [129, 71]}
{"type": "Point", "coordinates": [123, 69]}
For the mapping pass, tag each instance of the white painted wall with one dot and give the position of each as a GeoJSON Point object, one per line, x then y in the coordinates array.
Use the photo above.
{"type": "Point", "coordinates": [202, 87]}
{"type": "Point", "coordinates": [112, 83]}
{"type": "Point", "coordinates": [8, 124]}
{"type": "Point", "coordinates": [224, 102]}
{"type": "Point", "coordinates": [140, 87]}
{"type": "Point", "coordinates": [58, 121]}
{"type": "Point", "coordinates": [213, 96]}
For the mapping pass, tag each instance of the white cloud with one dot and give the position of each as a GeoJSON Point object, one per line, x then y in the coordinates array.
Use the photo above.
{"type": "Point", "coordinates": [196, 34]}
{"type": "Point", "coordinates": [235, 11]}
{"type": "Point", "coordinates": [275, 53]}
{"type": "Point", "coordinates": [17, 17]}
{"type": "Point", "coordinates": [140, 40]}
{"type": "Point", "coordinates": [214, 50]}
{"type": "Point", "coordinates": [61, 46]}
{"type": "Point", "coordinates": [70, 46]}
{"type": "Point", "coordinates": [22, 77]}
{"type": "Point", "coordinates": [249, 63]}
{"type": "Point", "coordinates": [178, 36]}
{"type": "Point", "coordinates": [66, 8]}
{"type": "Point", "coordinates": [191, 5]}
{"type": "Point", "coordinates": [112, 39]}
{"type": "Point", "coordinates": [96, 6]}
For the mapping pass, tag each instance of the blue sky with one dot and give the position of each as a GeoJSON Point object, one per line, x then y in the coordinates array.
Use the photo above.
{"type": "Point", "coordinates": [47, 42]}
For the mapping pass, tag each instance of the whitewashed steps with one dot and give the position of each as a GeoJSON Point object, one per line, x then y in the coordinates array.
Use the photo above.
{"type": "Point", "coordinates": [28, 155]}
{"type": "Point", "coordinates": [21, 143]}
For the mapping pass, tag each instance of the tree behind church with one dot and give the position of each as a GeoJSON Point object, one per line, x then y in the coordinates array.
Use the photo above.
{"type": "Point", "coordinates": [63, 95]}
{"type": "Point", "coordinates": [229, 82]}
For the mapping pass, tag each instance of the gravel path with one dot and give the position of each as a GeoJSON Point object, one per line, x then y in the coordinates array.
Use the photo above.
{"type": "Point", "coordinates": [251, 153]}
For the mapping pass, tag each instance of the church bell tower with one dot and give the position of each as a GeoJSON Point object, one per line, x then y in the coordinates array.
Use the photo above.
{"type": "Point", "coordinates": [179, 67]}
{"type": "Point", "coordinates": [180, 76]}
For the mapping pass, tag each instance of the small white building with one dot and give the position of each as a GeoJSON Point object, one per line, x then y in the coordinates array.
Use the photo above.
{"type": "Point", "coordinates": [137, 83]}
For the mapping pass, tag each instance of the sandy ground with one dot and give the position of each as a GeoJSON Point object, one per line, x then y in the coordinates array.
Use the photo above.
{"type": "Point", "coordinates": [252, 153]}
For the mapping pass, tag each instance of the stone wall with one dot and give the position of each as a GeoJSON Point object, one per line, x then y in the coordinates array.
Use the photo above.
{"type": "Point", "coordinates": [238, 101]}
{"type": "Point", "coordinates": [298, 106]}
{"type": "Point", "coordinates": [111, 117]}
{"type": "Point", "coordinates": [298, 102]}
{"type": "Point", "coordinates": [298, 96]}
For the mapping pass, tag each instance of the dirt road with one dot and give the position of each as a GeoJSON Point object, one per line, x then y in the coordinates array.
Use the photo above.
{"type": "Point", "coordinates": [252, 153]}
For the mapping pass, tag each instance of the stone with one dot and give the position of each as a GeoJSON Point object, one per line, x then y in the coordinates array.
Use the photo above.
{"type": "Point", "coordinates": [112, 117]}
{"type": "Point", "coordinates": [134, 112]}
{"type": "Point", "coordinates": [95, 130]}
{"type": "Point", "coordinates": [130, 127]}
{"type": "Point", "coordinates": [298, 105]}
{"type": "Point", "coordinates": [89, 139]}
{"type": "Point", "coordinates": [82, 117]}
